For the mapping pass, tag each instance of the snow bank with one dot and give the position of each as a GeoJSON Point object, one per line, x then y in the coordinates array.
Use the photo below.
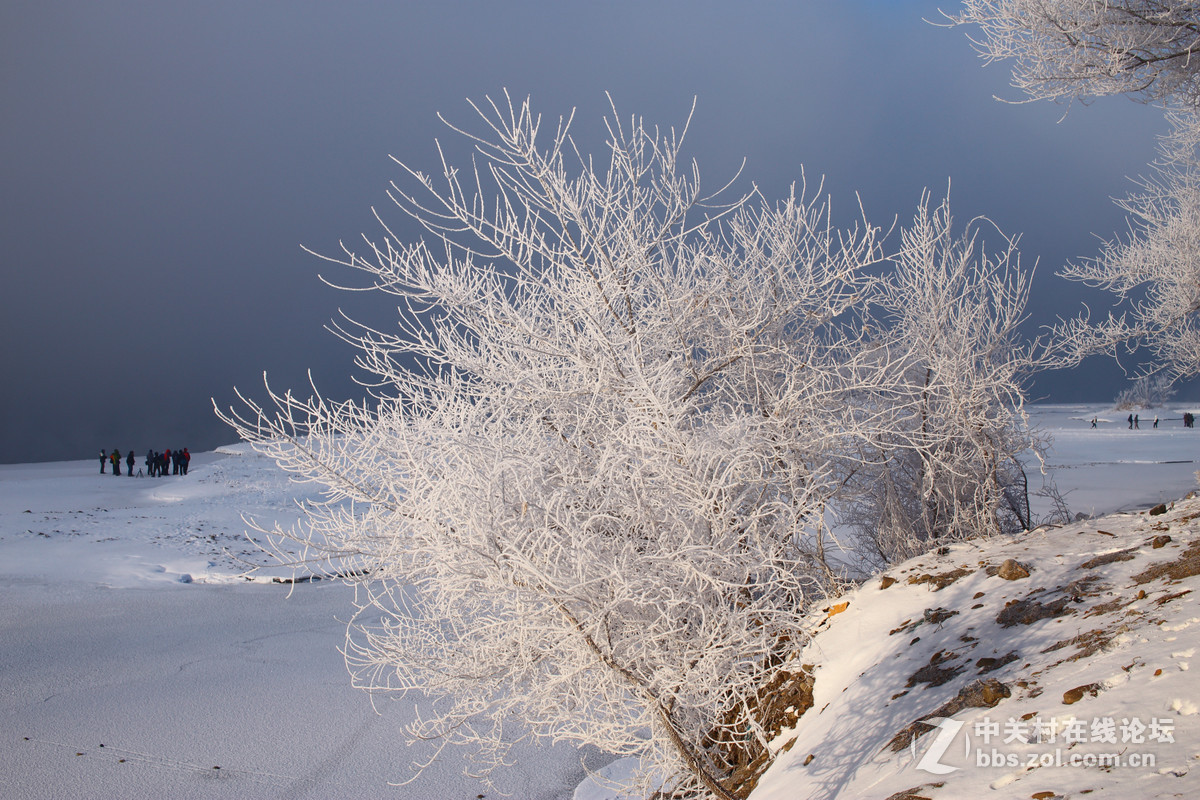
{"type": "Point", "coordinates": [1070, 680]}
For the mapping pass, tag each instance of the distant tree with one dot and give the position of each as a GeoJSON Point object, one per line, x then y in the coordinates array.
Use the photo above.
{"type": "Point", "coordinates": [1149, 391]}
{"type": "Point", "coordinates": [1067, 49]}
{"type": "Point", "coordinates": [618, 418]}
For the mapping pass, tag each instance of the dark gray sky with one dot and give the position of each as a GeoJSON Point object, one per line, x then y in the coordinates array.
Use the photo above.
{"type": "Point", "coordinates": [161, 165]}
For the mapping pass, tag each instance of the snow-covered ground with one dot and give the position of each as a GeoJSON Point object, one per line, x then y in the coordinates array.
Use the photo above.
{"type": "Point", "coordinates": [1111, 468]}
{"type": "Point", "coordinates": [137, 663]}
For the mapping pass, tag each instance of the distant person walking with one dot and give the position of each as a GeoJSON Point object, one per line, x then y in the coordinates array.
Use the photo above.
{"type": "Point", "coordinates": [1093, 422]}
{"type": "Point", "coordinates": [1136, 424]}
{"type": "Point", "coordinates": [1131, 422]}
{"type": "Point", "coordinates": [103, 458]}
{"type": "Point", "coordinates": [1156, 422]}
{"type": "Point", "coordinates": [184, 459]}
{"type": "Point", "coordinates": [129, 464]}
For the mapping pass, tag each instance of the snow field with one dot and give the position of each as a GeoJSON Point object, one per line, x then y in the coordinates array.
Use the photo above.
{"type": "Point", "coordinates": [128, 622]}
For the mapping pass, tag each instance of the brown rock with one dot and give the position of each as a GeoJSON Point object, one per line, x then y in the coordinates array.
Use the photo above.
{"type": "Point", "coordinates": [1012, 570]}
{"type": "Point", "coordinates": [992, 664]}
{"type": "Point", "coordinates": [1028, 611]}
{"type": "Point", "coordinates": [1160, 541]}
{"type": "Point", "coordinates": [1072, 696]}
{"type": "Point", "coordinates": [941, 580]}
{"type": "Point", "coordinates": [1161, 508]}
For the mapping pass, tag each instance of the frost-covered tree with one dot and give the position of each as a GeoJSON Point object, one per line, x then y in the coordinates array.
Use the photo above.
{"type": "Point", "coordinates": [1154, 270]}
{"type": "Point", "coordinates": [945, 463]}
{"type": "Point", "coordinates": [1149, 391]}
{"type": "Point", "coordinates": [1066, 49]}
{"type": "Point", "coordinates": [591, 499]}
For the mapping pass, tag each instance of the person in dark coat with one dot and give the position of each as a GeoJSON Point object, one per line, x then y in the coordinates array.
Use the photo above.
{"type": "Point", "coordinates": [129, 464]}
{"type": "Point", "coordinates": [103, 458]}
{"type": "Point", "coordinates": [184, 459]}
{"type": "Point", "coordinates": [116, 459]}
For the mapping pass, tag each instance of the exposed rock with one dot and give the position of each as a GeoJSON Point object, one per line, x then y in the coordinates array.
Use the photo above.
{"type": "Point", "coordinates": [1012, 570]}
{"type": "Point", "coordinates": [1029, 611]}
{"type": "Point", "coordinates": [1109, 558]}
{"type": "Point", "coordinates": [937, 671]}
{"type": "Point", "coordinates": [1187, 565]}
{"type": "Point", "coordinates": [993, 664]}
{"type": "Point", "coordinates": [1159, 542]}
{"type": "Point", "coordinates": [983, 693]}
{"type": "Point", "coordinates": [943, 579]}
{"type": "Point", "coordinates": [1159, 509]}
{"type": "Point", "coordinates": [1072, 696]}
{"type": "Point", "coordinates": [936, 616]}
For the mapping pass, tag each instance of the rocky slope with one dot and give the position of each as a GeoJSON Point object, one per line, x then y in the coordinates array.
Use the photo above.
{"type": "Point", "coordinates": [1053, 664]}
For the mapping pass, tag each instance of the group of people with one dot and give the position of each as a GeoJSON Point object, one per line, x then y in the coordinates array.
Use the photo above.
{"type": "Point", "coordinates": [1135, 422]}
{"type": "Point", "coordinates": [157, 464]}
